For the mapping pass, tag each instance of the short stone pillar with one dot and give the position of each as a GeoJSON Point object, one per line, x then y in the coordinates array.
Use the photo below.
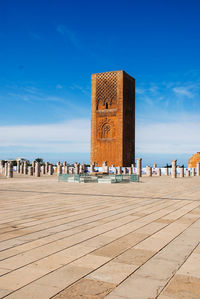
{"type": "Point", "coordinates": [198, 169]}
{"type": "Point", "coordinates": [129, 170]}
{"type": "Point", "coordinates": [174, 175]}
{"type": "Point", "coordinates": [30, 170]}
{"type": "Point", "coordinates": [1, 166]}
{"type": "Point", "coordinates": [132, 166]}
{"type": "Point", "coordinates": [59, 169]}
{"type": "Point", "coordinates": [25, 167]}
{"type": "Point", "coordinates": [66, 169]}
{"type": "Point", "coordinates": [76, 168]}
{"type": "Point", "coordinates": [81, 168]}
{"type": "Point", "coordinates": [6, 169]}
{"type": "Point", "coordinates": [114, 170]}
{"type": "Point", "coordinates": [139, 167]}
{"type": "Point", "coordinates": [159, 172]}
{"type": "Point", "coordinates": [46, 167]}
{"type": "Point", "coordinates": [33, 165]}
{"type": "Point", "coordinates": [22, 168]}
{"type": "Point", "coordinates": [125, 170]}
{"type": "Point", "coordinates": [50, 172]}
{"type": "Point", "coordinates": [43, 169]}
{"type": "Point", "coordinates": [18, 166]}
{"type": "Point", "coordinates": [37, 169]}
{"type": "Point", "coordinates": [187, 172]}
{"type": "Point", "coordinates": [119, 170]}
{"type": "Point", "coordinates": [92, 167]}
{"type": "Point", "coordinates": [181, 172]}
{"type": "Point", "coordinates": [166, 171]}
{"type": "Point", "coordinates": [149, 171]}
{"type": "Point", "coordinates": [105, 167]}
{"type": "Point", "coordinates": [9, 170]}
{"type": "Point", "coordinates": [193, 171]}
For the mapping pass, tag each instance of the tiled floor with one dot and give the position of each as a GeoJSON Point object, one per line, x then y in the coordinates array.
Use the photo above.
{"type": "Point", "coordinates": [65, 240]}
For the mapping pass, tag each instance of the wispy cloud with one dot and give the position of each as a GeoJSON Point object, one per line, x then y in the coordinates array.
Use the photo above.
{"type": "Point", "coordinates": [71, 136]}
{"type": "Point", "coordinates": [68, 35]}
{"type": "Point", "coordinates": [168, 138]}
{"type": "Point", "coordinates": [183, 91]}
{"type": "Point", "coordinates": [82, 89]}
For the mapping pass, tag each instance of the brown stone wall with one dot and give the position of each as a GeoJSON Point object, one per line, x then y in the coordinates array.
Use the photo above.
{"type": "Point", "coordinates": [128, 120]}
{"type": "Point", "coordinates": [112, 127]}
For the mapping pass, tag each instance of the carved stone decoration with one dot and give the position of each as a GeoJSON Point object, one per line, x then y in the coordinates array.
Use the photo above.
{"type": "Point", "coordinates": [106, 129]}
{"type": "Point", "coordinates": [106, 90]}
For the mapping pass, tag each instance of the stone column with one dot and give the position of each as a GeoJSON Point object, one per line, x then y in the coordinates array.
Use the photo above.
{"type": "Point", "coordinates": [125, 170]}
{"type": "Point", "coordinates": [18, 166]}
{"type": "Point", "coordinates": [119, 170]}
{"type": "Point", "coordinates": [50, 169]}
{"type": "Point", "coordinates": [166, 171]}
{"type": "Point", "coordinates": [149, 171]}
{"type": "Point", "coordinates": [193, 171]}
{"type": "Point", "coordinates": [174, 169]}
{"type": "Point", "coordinates": [30, 170]}
{"type": "Point", "coordinates": [132, 166]}
{"type": "Point", "coordinates": [46, 167]}
{"type": "Point", "coordinates": [198, 168]}
{"type": "Point", "coordinates": [37, 169]}
{"type": "Point", "coordinates": [181, 172]}
{"type": "Point", "coordinates": [139, 167]}
{"type": "Point", "coordinates": [129, 170]}
{"type": "Point", "coordinates": [187, 172]}
{"type": "Point", "coordinates": [66, 169]}
{"type": "Point", "coordinates": [9, 170]}
{"type": "Point", "coordinates": [92, 167]}
{"type": "Point", "coordinates": [22, 168]}
{"type": "Point", "coordinates": [1, 166]}
{"type": "Point", "coordinates": [33, 165]}
{"type": "Point", "coordinates": [43, 169]}
{"type": "Point", "coordinates": [76, 168]}
{"type": "Point", "coordinates": [59, 169]}
{"type": "Point", "coordinates": [81, 169]}
{"type": "Point", "coordinates": [25, 167]}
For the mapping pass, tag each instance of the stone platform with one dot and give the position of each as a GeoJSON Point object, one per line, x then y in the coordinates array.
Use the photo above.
{"type": "Point", "coordinates": [64, 240]}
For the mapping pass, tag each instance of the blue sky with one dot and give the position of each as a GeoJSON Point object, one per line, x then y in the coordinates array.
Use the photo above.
{"type": "Point", "coordinates": [49, 49]}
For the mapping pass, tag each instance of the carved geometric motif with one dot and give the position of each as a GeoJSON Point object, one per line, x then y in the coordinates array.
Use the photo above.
{"type": "Point", "coordinates": [106, 129]}
{"type": "Point", "coordinates": [106, 90]}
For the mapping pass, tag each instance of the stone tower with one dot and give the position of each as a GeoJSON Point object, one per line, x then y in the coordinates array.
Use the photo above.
{"type": "Point", "coordinates": [113, 119]}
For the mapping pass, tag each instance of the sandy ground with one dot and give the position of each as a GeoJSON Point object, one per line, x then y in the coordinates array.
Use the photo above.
{"type": "Point", "coordinates": [65, 240]}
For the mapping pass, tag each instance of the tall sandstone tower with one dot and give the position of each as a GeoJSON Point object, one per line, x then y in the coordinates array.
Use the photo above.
{"type": "Point", "coordinates": [113, 119]}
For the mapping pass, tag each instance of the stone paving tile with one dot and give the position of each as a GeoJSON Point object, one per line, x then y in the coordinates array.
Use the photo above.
{"type": "Point", "coordinates": [87, 241]}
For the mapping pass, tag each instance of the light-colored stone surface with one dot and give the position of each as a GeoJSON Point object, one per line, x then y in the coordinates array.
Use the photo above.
{"type": "Point", "coordinates": [65, 240]}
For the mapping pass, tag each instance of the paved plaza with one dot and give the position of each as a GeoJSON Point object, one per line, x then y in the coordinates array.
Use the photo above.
{"type": "Point", "coordinates": [64, 240]}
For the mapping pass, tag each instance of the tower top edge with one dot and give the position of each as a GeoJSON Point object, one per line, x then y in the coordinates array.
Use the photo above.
{"type": "Point", "coordinates": [119, 71]}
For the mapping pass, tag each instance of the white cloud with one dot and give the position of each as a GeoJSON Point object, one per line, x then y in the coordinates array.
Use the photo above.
{"type": "Point", "coordinates": [168, 138]}
{"type": "Point", "coordinates": [71, 136]}
{"type": "Point", "coordinates": [74, 137]}
{"type": "Point", "coordinates": [183, 91]}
